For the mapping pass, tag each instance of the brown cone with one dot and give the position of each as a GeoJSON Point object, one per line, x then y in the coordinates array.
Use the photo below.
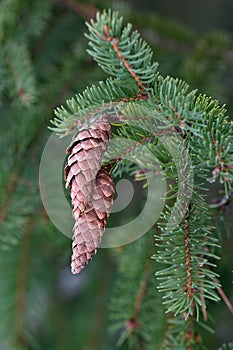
{"type": "Point", "coordinates": [91, 190]}
{"type": "Point", "coordinates": [84, 162]}
{"type": "Point", "coordinates": [89, 227]}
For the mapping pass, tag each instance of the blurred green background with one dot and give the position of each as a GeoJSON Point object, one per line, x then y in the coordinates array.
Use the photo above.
{"type": "Point", "coordinates": [198, 15]}
{"type": "Point", "coordinates": [42, 305]}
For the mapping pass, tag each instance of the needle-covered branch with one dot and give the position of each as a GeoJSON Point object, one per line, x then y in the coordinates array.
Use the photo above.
{"type": "Point", "coordinates": [191, 136]}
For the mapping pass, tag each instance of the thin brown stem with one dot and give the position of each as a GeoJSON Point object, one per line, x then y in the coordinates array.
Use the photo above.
{"type": "Point", "coordinates": [8, 195]}
{"type": "Point", "coordinates": [221, 164]}
{"type": "Point", "coordinates": [133, 322]}
{"type": "Point", "coordinates": [87, 11]}
{"type": "Point", "coordinates": [203, 306]}
{"type": "Point", "coordinates": [21, 92]}
{"type": "Point", "coordinates": [223, 201]}
{"type": "Point", "coordinates": [225, 299]}
{"type": "Point", "coordinates": [188, 288]}
{"type": "Point", "coordinates": [114, 42]}
{"type": "Point", "coordinates": [142, 289]}
{"type": "Point", "coordinates": [21, 284]}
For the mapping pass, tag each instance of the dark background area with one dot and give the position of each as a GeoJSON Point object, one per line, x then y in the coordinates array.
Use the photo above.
{"type": "Point", "coordinates": [200, 15]}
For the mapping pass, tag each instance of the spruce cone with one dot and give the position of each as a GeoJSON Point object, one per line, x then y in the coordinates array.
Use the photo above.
{"type": "Point", "coordinates": [89, 227]}
{"type": "Point", "coordinates": [91, 189]}
{"type": "Point", "coordinates": [84, 162]}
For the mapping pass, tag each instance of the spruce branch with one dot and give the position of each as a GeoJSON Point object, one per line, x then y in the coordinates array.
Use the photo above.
{"type": "Point", "coordinates": [21, 72]}
{"type": "Point", "coordinates": [122, 49]}
{"type": "Point", "coordinates": [16, 208]}
{"type": "Point", "coordinates": [15, 332]}
{"type": "Point", "coordinates": [143, 108]}
{"type": "Point", "coordinates": [22, 19]}
{"type": "Point", "coordinates": [92, 100]}
{"type": "Point", "coordinates": [182, 335]}
{"type": "Point", "coordinates": [132, 316]}
{"type": "Point", "coordinates": [147, 107]}
{"type": "Point", "coordinates": [214, 148]}
{"type": "Point", "coordinates": [19, 23]}
{"type": "Point", "coordinates": [186, 252]}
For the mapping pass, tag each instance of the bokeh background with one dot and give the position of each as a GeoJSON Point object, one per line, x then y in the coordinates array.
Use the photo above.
{"type": "Point", "coordinates": [198, 15]}
{"type": "Point", "coordinates": [44, 62]}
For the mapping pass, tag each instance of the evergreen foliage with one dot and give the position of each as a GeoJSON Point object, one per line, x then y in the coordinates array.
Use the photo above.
{"type": "Point", "coordinates": [129, 310]}
{"type": "Point", "coordinates": [163, 288]}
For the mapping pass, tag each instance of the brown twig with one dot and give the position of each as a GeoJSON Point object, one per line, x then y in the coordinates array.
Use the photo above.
{"type": "Point", "coordinates": [20, 90]}
{"type": "Point", "coordinates": [223, 201]}
{"type": "Point", "coordinates": [87, 11]}
{"type": "Point", "coordinates": [203, 306]}
{"type": "Point", "coordinates": [114, 43]}
{"type": "Point", "coordinates": [221, 165]}
{"type": "Point", "coordinates": [8, 195]}
{"type": "Point", "coordinates": [188, 287]}
{"type": "Point", "coordinates": [21, 284]}
{"type": "Point", "coordinates": [219, 289]}
{"type": "Point", "coordinates": [225, 299]}
{"type": "Point", "coordinates": [133, 322]}
{"type": "Point", "coordinates": [142, 289]}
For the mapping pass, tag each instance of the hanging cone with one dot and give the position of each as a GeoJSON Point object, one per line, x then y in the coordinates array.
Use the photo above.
{"type": "Point", "coordinates": [89, 227]}
{"type": "Point", "coordinates": [91, 190]}
{"type": "Point", "coordinates": [84, 162]}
